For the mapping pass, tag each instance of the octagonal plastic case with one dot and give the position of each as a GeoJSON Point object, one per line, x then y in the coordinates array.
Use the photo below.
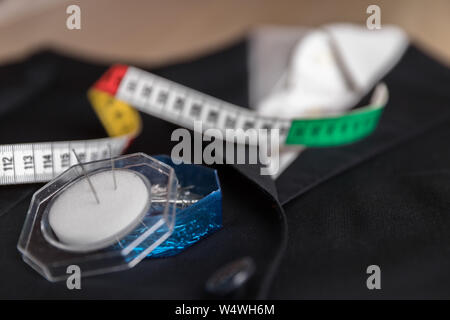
{"type": "Point", "coordinates": [43, 251]}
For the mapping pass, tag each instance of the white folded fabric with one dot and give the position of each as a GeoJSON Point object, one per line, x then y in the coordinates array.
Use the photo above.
{"type": "Point", "coordinates": [299, 72]}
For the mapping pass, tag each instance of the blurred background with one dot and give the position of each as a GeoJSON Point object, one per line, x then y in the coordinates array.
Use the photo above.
{"type": "Point", "coordinates": [156, 32]}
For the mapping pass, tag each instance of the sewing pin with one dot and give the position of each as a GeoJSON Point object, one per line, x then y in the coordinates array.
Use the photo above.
{"type": "Point", "coordinates": [87, 176]}
{"type": "Point", "coordinates": [112, 167]}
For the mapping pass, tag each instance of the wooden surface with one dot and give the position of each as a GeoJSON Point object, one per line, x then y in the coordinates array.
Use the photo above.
{"type": "Point", "coordinates": [159, 31]}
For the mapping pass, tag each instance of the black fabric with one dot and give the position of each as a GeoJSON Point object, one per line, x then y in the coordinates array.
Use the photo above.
{"type": "Point", "coordinates": [392, 211]}
{"type": "Point", "coordinates": [44, 99]}
{"type": "Point", "coordinates": [384, 200]}
{"type": "Point", "coordinates": [418, 100]}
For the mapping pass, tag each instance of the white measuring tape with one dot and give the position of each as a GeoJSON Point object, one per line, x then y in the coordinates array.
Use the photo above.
{"type": "Point", "coordinates": [122, 87]}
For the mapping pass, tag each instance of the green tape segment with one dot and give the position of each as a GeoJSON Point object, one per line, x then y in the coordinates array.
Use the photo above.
{"type": "Point", "coordinates": [334, 131]}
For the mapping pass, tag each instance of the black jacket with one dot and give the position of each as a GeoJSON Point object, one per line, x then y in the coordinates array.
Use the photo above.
{"type": "Point", "coordinates": [312, 233]}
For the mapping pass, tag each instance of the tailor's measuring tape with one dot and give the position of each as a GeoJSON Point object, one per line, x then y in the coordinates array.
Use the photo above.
{"type": "Point", "coordinates": [122, 87]}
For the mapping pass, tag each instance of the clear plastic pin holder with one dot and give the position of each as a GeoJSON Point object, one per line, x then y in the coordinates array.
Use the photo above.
{"type": "Point", "coordinates": [184, 206]}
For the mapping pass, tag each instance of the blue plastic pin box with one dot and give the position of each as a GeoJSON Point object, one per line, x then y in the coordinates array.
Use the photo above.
{"type": "Point", "coordinates": [197, 220]}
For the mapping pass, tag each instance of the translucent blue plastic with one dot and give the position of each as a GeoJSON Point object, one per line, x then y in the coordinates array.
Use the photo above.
{"type": "Point", "coordinates": [199, 219]}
